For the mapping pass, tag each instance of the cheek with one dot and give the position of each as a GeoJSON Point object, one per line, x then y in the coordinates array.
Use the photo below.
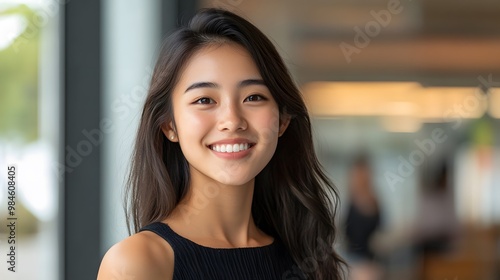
{"type": "Point", "coordinates": [192, 123]}
{"type": "Point", "coordinates": [268, 124]}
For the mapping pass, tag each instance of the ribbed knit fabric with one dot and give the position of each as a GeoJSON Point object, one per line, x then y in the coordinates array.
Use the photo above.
{"type": "Point", "coordinates": [194, 261]}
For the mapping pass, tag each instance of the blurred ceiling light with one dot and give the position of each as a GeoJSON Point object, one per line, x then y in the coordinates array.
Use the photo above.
{"type": "Point", "coordinates": [401, 108]}
{"type": "Point", "coordinates": [357, 98]}
{"type": "Point", "coordinates": [406, 124]}
{"type": "Point", "coordinates": [494, 109]}
{"type": "Point", "coordinates": [441, 104]}
{"type": "Point", "coordinates": [394, 99]}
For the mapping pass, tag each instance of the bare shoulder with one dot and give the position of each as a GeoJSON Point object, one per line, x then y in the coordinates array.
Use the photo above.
{"type": "Point", "coordinates": [143, 255]}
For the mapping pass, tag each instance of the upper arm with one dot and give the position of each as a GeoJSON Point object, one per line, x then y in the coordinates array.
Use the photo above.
{"type": "Point", "coordinates": [141, 256]}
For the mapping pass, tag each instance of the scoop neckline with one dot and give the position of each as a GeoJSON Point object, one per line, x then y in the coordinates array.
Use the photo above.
{"type": "Point", "coordinates": [212, 248]}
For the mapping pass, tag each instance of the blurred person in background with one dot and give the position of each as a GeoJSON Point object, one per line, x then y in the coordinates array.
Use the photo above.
{"type": "Point", "coordinates": [436, 220]}
{"type": "Point", "coordinates": [362, 222]}
{"type": "Point", "coordinates": [436, 227]}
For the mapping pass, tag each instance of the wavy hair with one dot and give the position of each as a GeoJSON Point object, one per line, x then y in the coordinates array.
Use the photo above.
{"type": "Point", "coordinates": [293, 198]}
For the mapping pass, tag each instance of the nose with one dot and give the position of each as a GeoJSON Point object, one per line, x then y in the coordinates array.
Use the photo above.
{"type": "Point", "coordinates": [231, 117]}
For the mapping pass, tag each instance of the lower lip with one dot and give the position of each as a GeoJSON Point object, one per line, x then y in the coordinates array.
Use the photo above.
{"type": "Point", "coordinates": [233, 155]}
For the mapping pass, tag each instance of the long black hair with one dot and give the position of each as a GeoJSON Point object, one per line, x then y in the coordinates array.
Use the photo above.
{"type": "Point", "coordinates": [293, 198]}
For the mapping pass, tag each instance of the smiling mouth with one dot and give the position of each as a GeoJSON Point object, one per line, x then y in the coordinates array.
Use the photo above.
{"type": "Point", "coordinates": [231, 148]}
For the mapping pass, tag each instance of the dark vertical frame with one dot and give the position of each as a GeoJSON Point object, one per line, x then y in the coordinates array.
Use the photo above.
{"type": "Point", "coordinates": [82, 101]}
{"type": "Point", "coordinates": [175, 13]}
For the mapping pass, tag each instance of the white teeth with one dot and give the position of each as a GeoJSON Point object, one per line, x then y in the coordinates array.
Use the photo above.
{"type": "Point", "coordinates": [230, 148]}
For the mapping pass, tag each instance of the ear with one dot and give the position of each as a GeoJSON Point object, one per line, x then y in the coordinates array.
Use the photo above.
{"type": "Point", "coordinates": [169, 132]}
{"type": "Point", "coordinates": [284, 122]}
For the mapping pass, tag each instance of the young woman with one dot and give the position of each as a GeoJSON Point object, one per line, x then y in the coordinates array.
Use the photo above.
{"type": "Point", "coordinates": [224, 182]}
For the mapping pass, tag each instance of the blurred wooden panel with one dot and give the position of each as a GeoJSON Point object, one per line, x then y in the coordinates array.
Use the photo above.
{"type": "Point", "coordinates": [432, 54]}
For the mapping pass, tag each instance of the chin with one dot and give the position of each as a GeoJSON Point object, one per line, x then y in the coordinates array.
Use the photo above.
{"type": "Point", "coordinates": [234, 181]}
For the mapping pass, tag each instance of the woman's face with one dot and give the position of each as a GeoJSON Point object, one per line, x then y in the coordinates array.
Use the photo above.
{"type": "Point", "coordinates": [226, 120]}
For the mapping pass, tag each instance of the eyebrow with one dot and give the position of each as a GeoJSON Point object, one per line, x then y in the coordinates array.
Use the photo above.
{"type": "Point", "coordinates": [244, 83]}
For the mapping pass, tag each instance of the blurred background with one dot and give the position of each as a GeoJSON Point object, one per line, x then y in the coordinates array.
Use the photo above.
{"type": "Point", "coordinates": [404, 97]}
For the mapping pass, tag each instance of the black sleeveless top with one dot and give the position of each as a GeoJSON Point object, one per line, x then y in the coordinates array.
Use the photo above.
{"type": "Point", "coordinates": [194, 261]}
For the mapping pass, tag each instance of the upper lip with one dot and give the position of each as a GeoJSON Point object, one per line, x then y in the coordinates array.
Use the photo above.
{"type": "Point", "coordinates": [232, 141]}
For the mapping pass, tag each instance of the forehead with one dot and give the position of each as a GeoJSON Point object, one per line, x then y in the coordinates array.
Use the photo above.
{"type": "Point", "coordinates": [220, 63]}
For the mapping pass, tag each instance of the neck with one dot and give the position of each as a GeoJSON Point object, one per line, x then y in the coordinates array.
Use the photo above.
{"type": "Point", "coordinates": [217, 211]}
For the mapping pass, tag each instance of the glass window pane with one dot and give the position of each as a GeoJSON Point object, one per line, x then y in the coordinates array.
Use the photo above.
{"type": "Point", "coordinates": [29, 139]}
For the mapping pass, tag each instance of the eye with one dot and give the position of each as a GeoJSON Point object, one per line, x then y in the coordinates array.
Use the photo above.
{"type": "Point", "coordinates": [255, 97]}
{"type": "Point", "coordinates": [204, 100]}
